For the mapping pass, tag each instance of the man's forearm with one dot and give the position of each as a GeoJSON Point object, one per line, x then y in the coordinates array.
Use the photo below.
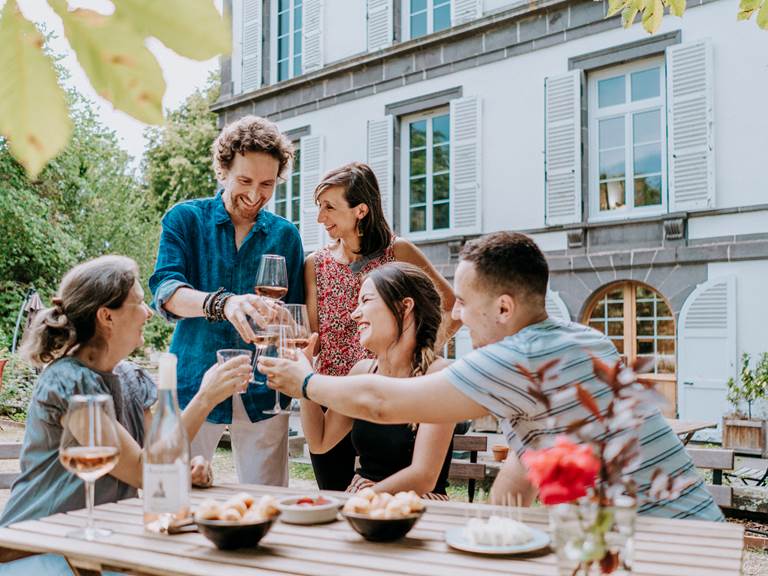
{"type": "Point", "coordinates": [354, 396]}
{"type": "Point", "coordinates": [186, 303]}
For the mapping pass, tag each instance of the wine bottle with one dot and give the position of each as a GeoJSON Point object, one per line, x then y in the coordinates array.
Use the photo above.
{"type": "Point", "coordinates": [166, 483]}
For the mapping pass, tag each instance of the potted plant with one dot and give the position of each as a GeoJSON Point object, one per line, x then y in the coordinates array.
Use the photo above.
{"type": "Point", "coordinates": [742, 431]}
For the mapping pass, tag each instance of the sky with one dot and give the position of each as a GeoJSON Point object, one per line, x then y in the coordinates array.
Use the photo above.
{"type": "Point", "coordinates": [182, 76]}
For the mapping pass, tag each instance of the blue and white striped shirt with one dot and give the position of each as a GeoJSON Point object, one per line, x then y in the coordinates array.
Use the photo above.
{"type": "Point", "coordinates": [491, 378]}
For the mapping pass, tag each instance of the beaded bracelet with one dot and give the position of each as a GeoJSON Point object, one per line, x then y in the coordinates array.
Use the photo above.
{"type": "Point", "coordinates": [221, 301]}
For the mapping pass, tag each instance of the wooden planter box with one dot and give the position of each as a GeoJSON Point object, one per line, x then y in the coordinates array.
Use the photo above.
{"type": "Point", "coordinates": [746, 436]}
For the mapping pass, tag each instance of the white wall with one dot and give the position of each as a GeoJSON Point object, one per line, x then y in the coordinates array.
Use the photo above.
{"type": "Point", "coordinates": [344, 29]}
{"type": "Point", "coordinates": [495, 5]}
{"type": "Point", "coordinates": [729, 224]}
{"type": "Point", "coordinates": [512, 92]}
{"type": "Point", "coordinates": [751, 306]}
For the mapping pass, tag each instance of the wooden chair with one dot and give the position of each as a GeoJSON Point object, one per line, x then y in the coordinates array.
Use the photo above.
{"type": "Point", "coordinates": [717, 460]}
{"type": "Point", "coordinates": [470, 471]}
{"type": "Point", "coordinates": [749, 476]}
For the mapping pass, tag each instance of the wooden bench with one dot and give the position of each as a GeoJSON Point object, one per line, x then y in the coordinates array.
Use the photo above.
{"type": "Point", "coordinates": [9, 451]}
{"type": "Point", "coordinates": [470, 471]}
{"type": "Point", "coordinates": [717, 460]}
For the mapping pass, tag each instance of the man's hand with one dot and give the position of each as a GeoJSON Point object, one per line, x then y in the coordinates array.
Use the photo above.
{"type": "Point", "coordinates": [201, 472]}
{"type": "Point", "coordinates": [286, 375]}
{"type": "Point", "coordinates": [243, 309]}
{"type": "Point", "coordinates": [223, 380]}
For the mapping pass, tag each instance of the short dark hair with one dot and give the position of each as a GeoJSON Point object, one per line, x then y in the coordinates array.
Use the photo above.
{"type": "Point", "coordinates": [509, 262]}
{"type": "Point", "coordinates": [250, 134]}
{"type": "Point", "coordinates": [361, 187]}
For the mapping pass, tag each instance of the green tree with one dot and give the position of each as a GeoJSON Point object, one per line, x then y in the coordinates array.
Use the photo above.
{"type": "Point", "coordinates": [177, 162]}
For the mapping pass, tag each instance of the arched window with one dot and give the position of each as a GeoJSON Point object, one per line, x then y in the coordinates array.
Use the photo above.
{"type": "Point", "coordinates": [640, 323]}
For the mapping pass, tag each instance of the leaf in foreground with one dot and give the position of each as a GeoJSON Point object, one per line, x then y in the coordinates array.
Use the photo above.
{"type": "Point", "coordinates": [33, 108]}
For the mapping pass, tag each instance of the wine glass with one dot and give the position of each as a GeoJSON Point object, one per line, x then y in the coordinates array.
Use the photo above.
{"type": "Point", "coordinates": [272, 277]}
{"type": "Point", "coordinates": [89, 448]}
{"type": "Point", "coordinates": [227, 354]}
{"type": "Point", "coordinates": [298, 319]}
{"type": "Point", "coordinates": [281, 334]}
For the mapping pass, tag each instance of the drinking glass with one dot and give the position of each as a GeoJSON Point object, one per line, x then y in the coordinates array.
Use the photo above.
{"type": "Point", "coordinates": [281, 334]}
{"type": "Point", "coordinates": [89, 448]}
{"type": "Point", "coordinates": [297, 318]}
{"type": "Point", "coordinates": [272, 277]}
{"type": "Point", "coordinates": [227, 354]}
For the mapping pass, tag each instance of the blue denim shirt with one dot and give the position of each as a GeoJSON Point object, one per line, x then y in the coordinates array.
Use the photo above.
{"type": "Point", "coordinates": [197, 250]}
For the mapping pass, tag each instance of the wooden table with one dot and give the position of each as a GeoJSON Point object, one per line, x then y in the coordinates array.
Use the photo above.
{"type": "Point", "coordinates": [663, 547]}
{"type": "Point", "coordinates": [687, 428]}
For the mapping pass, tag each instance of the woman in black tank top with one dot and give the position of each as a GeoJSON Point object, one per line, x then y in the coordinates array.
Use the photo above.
{"type": "Point", "coordinates": [398, 318]}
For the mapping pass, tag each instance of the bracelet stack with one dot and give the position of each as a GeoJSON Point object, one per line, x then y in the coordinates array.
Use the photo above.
{"type": "Point", "coordinates": [213, 305]}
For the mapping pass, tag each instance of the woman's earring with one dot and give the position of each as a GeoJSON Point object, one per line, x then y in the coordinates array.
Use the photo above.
{"type": "Point", "coordinates": [359, 229]}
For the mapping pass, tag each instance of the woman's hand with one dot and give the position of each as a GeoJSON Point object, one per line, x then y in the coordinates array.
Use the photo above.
{"type": "Point", "coordinates": [285, 375]}
{"type": "Point", "coordinates": [201, 472]}
{"type": "Point", "coordinates": [223, 380]}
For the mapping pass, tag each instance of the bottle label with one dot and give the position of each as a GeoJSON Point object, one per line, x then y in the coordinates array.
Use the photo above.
{"type": "Point", "coordinates": [166, 487]}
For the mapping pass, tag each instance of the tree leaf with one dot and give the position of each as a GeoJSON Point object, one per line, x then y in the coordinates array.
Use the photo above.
{"type": "Point", "coordinates": [588, 402]}
{"type": "Point", "coordinates": [762, 16]}
{"type": "Point", "coordinates": [747, 8]}
{"type": "Point", "coordinates": [654, 12]}
{"type": "Point", "coordinates": [192, 28]}
{"type": "Point", "coordinates": [33, 108]}
{"type": "Point", "coordinates": [677, 7]}
{"type": "Point", "coordinates": [119, 66]}
{"type": "Point", "coordinates": [615, 6]}
{"type": "Point", "coordinates": [628, 15]}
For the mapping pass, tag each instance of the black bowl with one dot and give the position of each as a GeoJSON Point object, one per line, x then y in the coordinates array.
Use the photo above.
{"type": "Point", "coordinates": [379, 529]}
{"type": "Point", "coordinates": [229, 535]}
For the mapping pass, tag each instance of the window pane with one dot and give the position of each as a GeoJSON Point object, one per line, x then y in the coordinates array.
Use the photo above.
{"type": "Point", "coordinates": [419, 219]}
{"type": "Point", "coordinates": [282, 70]}
{"type": "Point", "coordinates": [418, 162]}
{"type": "Point", "coordinates": [665, 327]}
{"type": "Point", "coordinates": [645, 309]}
{"type": "Point", "coordinates": [418, 191]}
{"type": "Point", "coordinates": [599, 311]}
{"type": "Point", "coordinates": [283, 5]}
{"type": "Point", "coordinates": [297, 160]}
{"type": "Point", "coordinates": [296, 184]}
{"type": "Point", "coordinates": [610, 92]}
{"type": "Point", "coordinates": [282, 47]}
{"type": "Point", "coordinates": [297, 42]}
{"type": "Point", "coordinates": [645, 327]}
{"type": "Point", "coordinates": [440, 187]}
{"type": "Point", "coordinates": [441, 129]}
{"type": "Point", "coordinates": [662, 309]}
{"type": "Point", "coordinates": [617, 295]}
{"type": "Point", "coordinates": [612, 195]}
{"type": "Point", "coordinates": [296, 211]}
{"type": "Point", "coordinates": [615, 328]}
{"type": "Point", "coordinates": [619, 343]}
{"type": "Point", "coordinates": [283, 23]}
{"type": "Point", "coordinates": [297, 65]}
{"type": "Point", "coordinates": [599, 326]}
{"type": "Point", "coordinates": [644, 346]}
{"type": "Point", "coordinates": [647, 158]}
{"type": "Point", "coordinates": [665, 346]}
{"type": "Point", "coordinates": [418, 5]}
{"type": "Point", "coordinates": [648, 191]}
{"type": "Point", "coordinates": [645, 293]}
{"type": "Point", "coordinates": [442, 18]}
{"type": "Point", "coordinates": [616, 310]}
{"type": "Point", "coordinates": [441, 215]}
{"type": "Point", "coordinates": [645, 84]}
{"type": "Point", "coordinates": [646, 127]}
{"type": "Point", "coordinates": [280, 192]}
{"type": "Point", "coordinates": [611, 133]}
{"type": "Point", "coordinates": [441, 158]}
{"type": "Point", "coordinates": [297, 16]}
{"type": "Point", "coordinates": [612, 164]}
{"type": "Point", "coordinates": [419, 25]}
{"type": "Point", "coordinates": [418, 134]}
{"type": "Point", "coordinates": [280, 209]}
{"type": "Point", "coordinates": [665, 365]}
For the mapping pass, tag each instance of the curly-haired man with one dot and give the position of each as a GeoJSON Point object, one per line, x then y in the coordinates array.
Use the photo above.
{"type": "Point", "coordinates": [204, 277]}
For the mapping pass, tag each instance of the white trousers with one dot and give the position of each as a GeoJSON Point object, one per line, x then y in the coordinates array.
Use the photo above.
{"type": "Point", "coordinates": [260, 448]}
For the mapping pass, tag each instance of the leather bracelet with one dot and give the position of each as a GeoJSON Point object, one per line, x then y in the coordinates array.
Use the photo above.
{"type": "Point", "coordinates": [222, 302]}
{"type": "Point", "coordinates": [304, 385]}
{"type": "Point", "coordinates": [209, 305]}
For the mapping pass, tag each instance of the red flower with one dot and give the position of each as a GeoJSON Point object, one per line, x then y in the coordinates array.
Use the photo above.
{"type": "Point", "coordinates": [564, 472]}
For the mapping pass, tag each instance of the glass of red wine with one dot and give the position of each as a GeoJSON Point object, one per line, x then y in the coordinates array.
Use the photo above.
{"type": "Point", "coordinates": [89, 448]}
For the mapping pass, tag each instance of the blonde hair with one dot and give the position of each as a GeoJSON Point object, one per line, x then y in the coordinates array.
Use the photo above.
{"type": "Point", "coordinates": [71, 321]}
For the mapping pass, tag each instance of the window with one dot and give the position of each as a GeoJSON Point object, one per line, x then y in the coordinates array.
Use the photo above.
{"type": "Point", "coordinates": [427, 167]}
{"type": "Point", "coordinates": [289, 38]}
{"type": "Point", "coordinates": [427, 16]}
{"type": "Point", "coordinates": [288, 192]}
{"type": "Point", "coordinates": [639, 322]}
{"type": "Point", "coordinates": [627, 140]}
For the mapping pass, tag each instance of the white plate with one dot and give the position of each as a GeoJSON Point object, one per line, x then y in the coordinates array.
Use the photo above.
{"type": "Point", "coordinates": [455, 538]}
{"type": "Point", "coordinates": [293, 514]}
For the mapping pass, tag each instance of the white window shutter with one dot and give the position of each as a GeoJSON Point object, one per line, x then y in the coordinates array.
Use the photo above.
{"type": "Point", "coordinates": [562, 133]}
{"type": "Point", "coordinates": [380, 158]}
{"type": "Point", "coordinates": [313, 35]}
{"type": "Point", "coordinates": [380, 24]}
{"type": "Point", "coordinates": [690, 125]}
{"type": "Point", "coordinates": [465, 11]}
{"type": "Point", "coordinates": [311, 171]}
{"type": "Point", "coordinates": [250, 72]}
{"type": "Point", "coordinates": [466, 167]}
{"type": "Point", "coordinates": [706, 349]}
{"type": "Point", "coordinates": [556, 308]}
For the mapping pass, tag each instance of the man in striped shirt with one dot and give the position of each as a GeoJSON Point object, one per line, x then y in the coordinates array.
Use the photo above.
{"type": "Point", "coordinates": [500, 284]}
